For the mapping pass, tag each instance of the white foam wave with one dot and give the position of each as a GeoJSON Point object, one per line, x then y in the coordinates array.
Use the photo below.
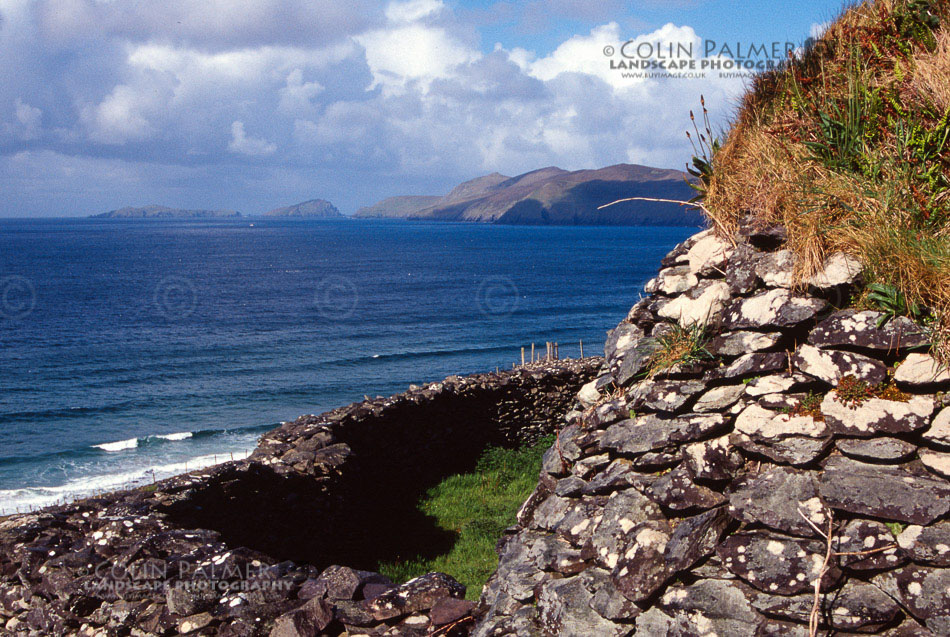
{"type": "Point", "coordinates": [28, 498]}
{"type": "Point", "coordinates": [119, 445]}
{"type": "Point", "coordinates": [184, 435]}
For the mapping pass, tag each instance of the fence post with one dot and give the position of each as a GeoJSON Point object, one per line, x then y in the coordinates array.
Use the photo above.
{"type": "Point", "coordinates": [582, 349]}
{"type": "Point", "coordinates": [522, 357]}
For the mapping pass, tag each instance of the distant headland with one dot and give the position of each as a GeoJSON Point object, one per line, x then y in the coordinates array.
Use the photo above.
{"type": "Point", "coordinates": [164, 212]}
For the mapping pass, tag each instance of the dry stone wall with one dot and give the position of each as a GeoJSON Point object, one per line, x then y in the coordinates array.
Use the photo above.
{"type": "Point", "coordinates": [254, 547]}
{"type": "Point", "coordinates": [702, 498]}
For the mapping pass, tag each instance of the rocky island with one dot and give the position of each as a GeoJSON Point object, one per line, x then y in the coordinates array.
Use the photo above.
{"type": "Point", "coordinates": [312, 209]}
{"type": "Point", "coordinates": [552, 196]}
{"type": "Point", "coordinates": [164, 212]}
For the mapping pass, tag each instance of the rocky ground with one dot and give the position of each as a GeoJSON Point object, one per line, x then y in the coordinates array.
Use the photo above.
{"type": "Point", "coordinates": [708, 497]}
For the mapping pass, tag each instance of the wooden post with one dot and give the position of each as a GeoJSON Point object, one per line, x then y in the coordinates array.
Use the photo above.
{"type": "Point", "coordinates": [522, 357]}
{"type": "Point", "coordinates": [557, 352]}
{"type": "Point", "coordinates": [532, 352]}
{"type": "Point", "coordinates": [582, 349]}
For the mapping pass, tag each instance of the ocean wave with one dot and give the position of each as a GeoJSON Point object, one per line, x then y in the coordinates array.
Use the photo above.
{"type": "Point", "coordinates": [28, 498]}
{"type": "Point", "coordinates": [119, 445]}
{"type": "Point", "coordinates": [184, 435]}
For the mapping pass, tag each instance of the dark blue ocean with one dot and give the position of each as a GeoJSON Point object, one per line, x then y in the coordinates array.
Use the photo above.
{"type": "Point", "coordinates": [132, 350]}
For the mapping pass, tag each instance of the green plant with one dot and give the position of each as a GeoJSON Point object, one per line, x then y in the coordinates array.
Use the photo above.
{"type": "Point", "coordinates": [853, 392]}
{"type": "Point", "coordinates": [705, 147]}
{"type": "Point", "coordinates": [679, 345]}
{"type": "Point", "coordinates": [896, 528]}
{"type": "Point", "coordinates": [892, 303]}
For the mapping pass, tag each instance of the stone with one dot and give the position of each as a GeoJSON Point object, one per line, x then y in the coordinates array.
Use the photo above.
{"type": "Point", "coordinates": [859, 536]}
{"type": "Point", "coordinates": [196, 622]}
{"type": "Point", "coordinates": [663, 395]}
{"type": "Point", "coordinates": [343, 582]}
{"type": "Point", "coordinates": [589, 394]}
{"type": "Point", "coordinates": [855, 329]}
{"type": "Point", "coordinates": [699, 306]}
{"type": "Point", "coordinates": [570, 486]}
{"type": "Point", "coordinates": [740, 343]}
{"type": "Point", "coordinates": [619, 474]}
{"type": "Point", "coordinates": [450, 609]}
{"type": "Point", "coordinates": [838, 269]}
{"type": "Point", "coordinates": [578, 520]}
{"type": "Point", "coordinates": [877, 449]}
{"type": "Point", "coordinates": [642, 570]}
{"type": "Point", "coordinates": [564, 609]}
{"type": "Point", "coordinates": [553, 553]}
{"type": "Point", "coordinates": [928, 545]}
{"type": "Point", "coordinates": [635, 361]}
{"type": "Point", "coordinates": [936, 461]}
{"type": "Point", "coordinates": [650, 433]}
{"type": "Point", "coordinates": [923, 591]}
{"type": "Point", "coordinates": [672, 281]}
{"type": "Point", "coordinates": [715, 459]}
{"type": "Point", "coordinates": [832, 365]}
{"type": "Point", "coordinates": [695, 538]}
{"type": "Point", "coordinates": [883, 491]}
{"type": "Point", "coordinates": [186, 600]}
{"type": "Point", "coordinates": [677, 491]}
{"type": "Point", "coordinates": [707, 607]}
{"type": "Point", "coordinates": [939, 432]}
{"type": "Point", "coordinates": [585, 467]}
{"type": "Point", "coordinates": [786, 439]}
{"type": "Point", "coordinates": [876, 416]}
{"type": "Point", "coordinates": [775, 497]}
{"type": "Point", "coordinates": [922, 370]}
{"type": "Point", "coordinates": [709, 255]}
{"type": "Point", "coordinates": [621, 339]}
{"type": "Point", "coordinates": [771, 309]}
{"type": "Point", "coordinates": [417, 594]}
{"type": "Point", "coordinates": [740, 270]}
{"type": "Point", "coordinates": [776, 564]}
{"type": "Point", "coordinates": [857, 606]}
{"type": "Point", "coordinates": [756, 364]}
{"type": "Point", "coordinates": [309, 619]}
{"type": "Point", "coordinates": [607, 600]}
{"type": "Point", "coordinates": [776, 269]}
{"type": "Point", "coordinates": [624, 511]}
{"type": "Point", "coordinates": [777, 384]}
{"type": "Point", "coordinates": [763, 236]}
{"type": "Point", "coordinates": [721, 398]}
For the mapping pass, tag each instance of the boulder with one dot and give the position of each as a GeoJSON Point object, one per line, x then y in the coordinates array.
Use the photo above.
{"type": "Point", "coordinates": [877, 449]}
{"type": "Point", "coordinates": [927, 544]}
{"type": "Point", "coordinates": [776, 564]}
{"type": "Point", "coordinates": [742, 342]}
{"type": "Point", "coordinates": [838, 270]}
{"type": "Point", "coordinates": [709, 255]}
{"type": "Point", "coordinates": [701, 305]}
{"type": "Point", "coordinates": [776, 269]}
{"type": "Point", "coordinates": [421, 593]}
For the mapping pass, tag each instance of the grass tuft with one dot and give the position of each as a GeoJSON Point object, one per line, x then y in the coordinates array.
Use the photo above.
{"type": "Point", "coordinates": [477, 507]}
{"type": "Point", "coordinates": [679, 345]}
{"type": "Point", "coordinates": [848, 146]}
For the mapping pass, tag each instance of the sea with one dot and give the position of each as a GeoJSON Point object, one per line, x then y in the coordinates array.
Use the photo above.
{"type": "Point", "coordinates": [133, 350]}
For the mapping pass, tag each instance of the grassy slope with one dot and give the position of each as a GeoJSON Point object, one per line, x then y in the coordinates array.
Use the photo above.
{"type": "Point", "coordinates": [847, 146]}
{"type": "Point", "coordinates": [478, 507]}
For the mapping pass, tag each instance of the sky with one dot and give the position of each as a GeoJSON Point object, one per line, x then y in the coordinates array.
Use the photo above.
{"type": "Point", "coordinates": [253, 104]}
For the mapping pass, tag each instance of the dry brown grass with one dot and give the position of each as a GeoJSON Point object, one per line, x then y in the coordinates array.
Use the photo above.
{"type": "Point", "coordinates": [874, 181]}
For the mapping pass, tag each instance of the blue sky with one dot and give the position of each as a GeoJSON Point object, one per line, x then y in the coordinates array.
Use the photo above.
{"type": "Point", "coordinates": [251, 105]}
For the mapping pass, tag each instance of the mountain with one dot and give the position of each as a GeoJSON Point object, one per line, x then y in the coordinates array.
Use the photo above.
{"type": "Point", "coordinates": [553, 196]}
{"type": "Point", "coordinates": [313, 209]}
{"type": "Point", "coordinates": [164, 212]}
{"type": "Point", "coordinates": [397, 206]}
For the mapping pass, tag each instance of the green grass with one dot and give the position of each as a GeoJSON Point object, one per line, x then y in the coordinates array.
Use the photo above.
{"type": "Point", "coordinates": [477, 507]}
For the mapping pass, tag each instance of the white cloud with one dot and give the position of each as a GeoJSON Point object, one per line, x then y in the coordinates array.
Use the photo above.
{"type": "Point", "coordinates": [241, 143]}
{"type": "Point", "coordinates": [412, 10]}
{"type": "Point", "coordinates": [29, 118]}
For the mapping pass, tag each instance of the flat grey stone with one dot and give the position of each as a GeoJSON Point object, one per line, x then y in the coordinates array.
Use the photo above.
{"type": "Point", "coordinates": [786, 439]}
{"type": "Point", "coordinates": [756, 364]}
{"type": "Point", "coordinates": [839, 269]}
{"type": "Point", "coordinates": [859, 536]}
{"type": "Point", "coordinates": [716, 459]}
{"type": "Point", "coordinates": [832, 365]}
{"type": "Point", "coordinates": [939, 431]}
{"type": "Point", "coordinates": [776, 269]}
{"type": "Point", "coordinates": [883, 491]}
{"type": "Point", "coordinates": [937, 461]}
{"type": "Point", "coordinates": [672, 281]}
{"type": "Point", "coordinates": [877, 449]}
{"type": "Point", "coordinates": [677, 491]}
{"type": "Point", "coordinates": [772, 309]}
{"type": "Point", "coordinates": [709, 254]}
{"type": "Point", "coordinates": [741, 343]}
{"type": "Point", "coordinates": [774, 498]}
{"type": "Point", "coordinates": [922, 370]}
{"type": "Point", "coordinates": [642, 570]}
{"type": "Point", "coordinates": [923, 591]}
{"type": "Point", "coordinates": [776, 564]}
{"type": "Point", "coordinates": [927, 544]}
{"type": "Point", "coordinates": [740, 270]}
{"type": "Point", "coordinates": [721, 398]}
{"type": "Point", "coordinates": [564, 609]}
{"type": "Point", "coordinates": [856, 606]}
{"type": "Point", "coordinates": [652, 433]}
{"type": "Point", "coordinates": [876, 416]}
{"type": "Point", "coordinates": [700, 305]}
{"type": "Point", "coordinates": [858, 329]}
{"type": "Point", "coordinates": [624, 511]}
{"type": "Point", "coordinates": [708, 607]}
{"type": "Point", "coordinates": [663, 395]}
